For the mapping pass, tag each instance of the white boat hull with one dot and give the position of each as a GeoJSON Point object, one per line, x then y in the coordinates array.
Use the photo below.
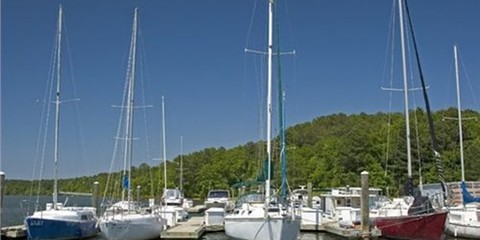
{"type": "Point", "coordinates": [311, 216]}
{"type": "Point", "coordinates": [464, 223]}
{"type": "Point", "coordinates": [250, 223]}
{"type": "Point", "coordinates": [464, 229]}
{"type": "Point", "coordinates": [169, 215]}
{"type": "Point", "coordinates": [273, 228]}
{"type": "Point", "coordinates": [131, 227]}
{"type": "Point", "coordinates": [215, 217]}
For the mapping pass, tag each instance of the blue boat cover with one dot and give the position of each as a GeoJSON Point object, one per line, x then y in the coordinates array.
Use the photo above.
{"type": "Point", "coordinates": [125, 182]}
{"type": "Point", "coordinates": [467, 197]}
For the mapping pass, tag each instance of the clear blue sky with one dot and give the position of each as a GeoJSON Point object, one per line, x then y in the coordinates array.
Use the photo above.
{"type": "Point", "coordinates": [194, 55]}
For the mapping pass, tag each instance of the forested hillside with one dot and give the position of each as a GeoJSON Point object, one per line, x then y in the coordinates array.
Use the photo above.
{"type": "Point", "coordinates": [329, 151]}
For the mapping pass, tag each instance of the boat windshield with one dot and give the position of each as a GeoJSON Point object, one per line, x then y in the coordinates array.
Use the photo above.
{"type": "Point", "coordinates": [250, 198]}
{"type": "Point", "coordinates": [218, 194]}
{"type": "Point", "coordinates": [172, 193]}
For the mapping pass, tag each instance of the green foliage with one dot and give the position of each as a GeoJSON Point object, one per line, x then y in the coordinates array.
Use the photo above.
{"type": "Point", "coordinates": [329, 151]}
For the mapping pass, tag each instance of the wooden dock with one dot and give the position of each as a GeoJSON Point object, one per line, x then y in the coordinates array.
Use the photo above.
{"type": "Point", "coordinates": [214, 228]}
{"type": "Point", "coordinates": [355, 232]}
{"type": "Point", "coordinates": [333, 227]}
{"type": "Point", "coordinates": [17, 232]}
{"type": "Point", "coordinates": [191, 229]}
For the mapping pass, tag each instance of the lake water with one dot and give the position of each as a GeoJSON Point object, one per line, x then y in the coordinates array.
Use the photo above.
{"type": "Point", "coordinates": [15, 208]}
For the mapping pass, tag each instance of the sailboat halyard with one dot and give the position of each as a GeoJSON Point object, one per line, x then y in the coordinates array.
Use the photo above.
{"type": "Point", "coordinates": [124, 220]}
{"type": "Point", "coordinates": [264, 220]}
{"type": "Point", "coordinates": [45, 224]}
{"type": "Point", "coordinates": [464, 220]}
{"type": "Point", "coordinates": [421, 221]}
{"type": "Point", "coordinates": [57, 221]}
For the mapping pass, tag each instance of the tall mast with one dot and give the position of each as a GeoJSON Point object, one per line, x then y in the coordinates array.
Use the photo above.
{"type": "Point", "coordinates": [164, 144]}
{"type": "Point", "coordinates": [57, 109]}
{"type": "Point", "coordinates": [459, 109]}
{"type": "Point", "coordinates": [283, 148]}
{"type": "Point", "coordinates": [269, 99]}
{"type": "Point", "coordinates": [405, 89]}
{"type": "Point", "coordinates": [130, 108]}
{"type": "Point", "coordinates": [181, 163]}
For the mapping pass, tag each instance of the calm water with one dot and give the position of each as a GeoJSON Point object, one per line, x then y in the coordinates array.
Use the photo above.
{"type": "Point", "coordinates": [15, 209]}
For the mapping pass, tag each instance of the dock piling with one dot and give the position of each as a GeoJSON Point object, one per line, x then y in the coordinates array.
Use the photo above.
{"type": "Point", "coordinates": [2, 180]}
{"type": "Point", "coordinates": [365, 206]}
{"type": "Point", "coordinates": [95, 197]}
{"type": "Point", "coordinates": [138, 192]}
{"type": "Point", "coordinates": [309, 189]}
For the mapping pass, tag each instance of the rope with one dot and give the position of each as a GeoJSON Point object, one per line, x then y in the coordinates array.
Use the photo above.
{"type": "Point", "coordinates": [283, 153]}
{"type": "Point", "coordinates": [252, 17]}
{"type": "Point", "coordinates": [79, 129]}
{"type": "Point", "coordinates": [263, 224]}
{"type": "Point", "coordinates": [417, 137]}
{"type": "Point", "coordinates": [475, 100]}
{"type": "Point", "coordinates": [142, 74]}
{"type": "Point", "coordinates": [117, 135]}
{"type": "Point", "coordinates": [390, 94]}
{"type": "Point", "coordinates": [45, 117]}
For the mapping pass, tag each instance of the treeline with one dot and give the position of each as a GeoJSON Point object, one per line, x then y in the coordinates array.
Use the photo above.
{"type": "Point", "coordinates": [329, 151]}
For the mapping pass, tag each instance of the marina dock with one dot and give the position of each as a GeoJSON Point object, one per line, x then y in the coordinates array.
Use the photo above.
{"type": "Point", "coordinates": [334, 228]}
{"type": "Point", "coordinates": [191, 229]}
{"type": "Point", "coordinates": [355, 232]}
{"type": "Point", "coordinates": [14, 232]}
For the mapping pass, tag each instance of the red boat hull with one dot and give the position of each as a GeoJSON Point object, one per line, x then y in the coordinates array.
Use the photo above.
{"type": "Point", "coordinates": [424, 226]}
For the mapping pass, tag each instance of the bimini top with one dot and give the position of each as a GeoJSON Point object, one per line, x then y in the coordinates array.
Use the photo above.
{"type": "Point", "coordinates": [172, 194]}
{"type": "Point", "coordinates": [219, 193]}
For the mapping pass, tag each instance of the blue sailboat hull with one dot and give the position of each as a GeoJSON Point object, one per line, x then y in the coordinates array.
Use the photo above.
{"type": "Point", "coordinates": [59, 229]}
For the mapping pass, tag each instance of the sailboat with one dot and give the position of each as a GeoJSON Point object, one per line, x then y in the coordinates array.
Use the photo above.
{"type": "Point", "coordinates": [125, 220]}
{"type": "Point", "coordinates": [58, 221]}
{"type": "Point", "coordinates": [172, 199]}
{"type": "Point", "coordinates": [421, 221]}
{"type": "Point", "coordinates": [464, 220]}
{"type": "Point", "coordinates": [264, 220]}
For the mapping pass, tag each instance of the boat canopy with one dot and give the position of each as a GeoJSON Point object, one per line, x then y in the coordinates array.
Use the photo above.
{"type": "Point", "coordinates": [247, 183]}
{"type": "Point", "coordinates": [218, 194]}
{"type": "Point", "coordinates": [467, 197]}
